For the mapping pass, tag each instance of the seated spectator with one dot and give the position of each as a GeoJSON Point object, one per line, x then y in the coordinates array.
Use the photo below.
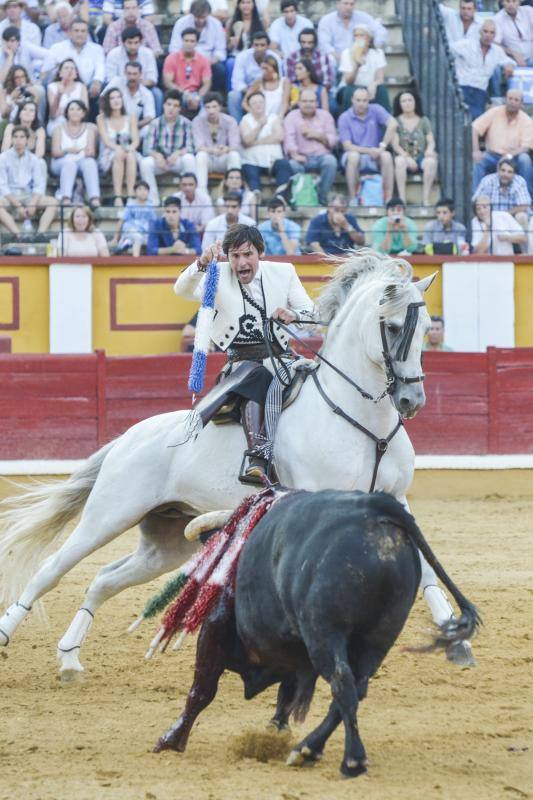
{"type": "Point", "coordinates": [132, 52]}
{"type": "Point", "coordinates": [216, 139]}
{"type": "Point", "coordinates": [65, 87]}
{"type": "Point", "coordinates": [275, 89]}
{"type": "Point", "coordinates": [335, 30]}
{"type": "Point", "coordinates": [219, 9]}
{"type": "Point", "coordinates": [112, 9]}
{"type": "Point", "coordinates": [82, 239]}
{"type": "Point", "coordinates": [88, 57]}
{"type": "Point", "coordinates": [365, 131]}
{"type": "Point", "coordinates": [29, 32]}
{"type": "Point", "coordinates": [435, 339]}
{"type": "Point", "coordinates": [284, 31]}
{"type": "Point", "coordinates": [414, 145]}
{"type": "Point", "coordinates": [475, 63]}
{"type": "Point", "coordinates": [119, 139]}
{"type": "Point", "coordinates": [461, 25]}
{"type": "Point", "coordinates": [58, 31]}
{"type": "Point", "coordinates": [139, 217]}
{"type": "Point", "coordinates": [363, 65]}
{"type": "Point", "coordinates": [234, 182]}
{"type": "Point", "coordinates": [16, 72]}
{"type": "Point", "coordinates": [281, 235]}
{"type": "Point", "coordinates": [138, 100]}
{"type": "Point", "coordinates": [168, 145]}
{"type": "Point", "coordinates": [74, 152]}
{"type": "Point", "coordinates": [23, 187]}
{"type": "Point", "coordinates": [310, 139]}
{"type": "Point", "coordinates": [27, 118]}
{"type": "Point", "coordinates": [324, 64]}
{"type": "Point", "coordinates": [494, 232]}
{"type": "Point", "coordinates": [307, 78]}
{"type": "Point", "coordinates": [444, 230]}
{"type": "Point", "coordinates": [508, 131]}
{"type": "Point", "coordinates": [514, 31]}
{"type": "Point", "coordinates": [212, 41]}
{"type": "Point", "coordinates": [131, 18]}
{"type": "Point", "coordinates": [188, 71]}
{"type": "Point", "coordinates": [196, 205]}
{"type": "Point", "coordinates": [173, 235]}
{"type": "Point", "coordinates": [217, 227]}
{"type": "Point", "coordinates": [335, 231]}
{"type": "Point", "coordinates": [507, 191]}
{"type": "Point", "coordinates": [261, 153]}
{"type": "Point", "coordinates": [241, 28]}
{"type": "Point", "coordinates": [247, 69]}
{"type": "Point", "coordinates": [394, 233]}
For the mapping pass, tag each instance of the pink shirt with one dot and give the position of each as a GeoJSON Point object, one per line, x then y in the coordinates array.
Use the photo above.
{"type": "Point", "coordinates": [515, 33]}
{"type": "Point", "coordinates": [294, 142]}
{"type": "Point", "coordinates": [503, 134]}
{"type": "Point", "coordinates": [188, 74]}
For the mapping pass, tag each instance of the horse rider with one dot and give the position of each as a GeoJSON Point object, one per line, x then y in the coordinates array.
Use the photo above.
{"type": "Point", "coordinates": [250, 293]}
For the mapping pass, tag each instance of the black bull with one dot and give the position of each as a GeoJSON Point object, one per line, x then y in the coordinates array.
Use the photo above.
{"type": "Point", "coordinates": [325, 584]}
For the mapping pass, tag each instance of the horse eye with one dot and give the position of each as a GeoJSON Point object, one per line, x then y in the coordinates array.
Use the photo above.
{"type": "Point", "coordinates": [394, 329]}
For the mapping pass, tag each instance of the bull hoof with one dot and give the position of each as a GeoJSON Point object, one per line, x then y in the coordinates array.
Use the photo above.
{"type": "Point", "coordinates": [304, 757]}
{"type": "Point", "coordinates": [352, 768]}
{"type": "Point", "coordinates": [279, 726]}
{"type": "Point", "coordinates": [460, 653]}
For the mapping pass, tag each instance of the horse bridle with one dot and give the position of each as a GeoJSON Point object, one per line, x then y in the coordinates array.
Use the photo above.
{"type": "Point", "coordinates": [402, 352]}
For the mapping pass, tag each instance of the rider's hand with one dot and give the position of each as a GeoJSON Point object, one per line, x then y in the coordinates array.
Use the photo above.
{"type": "Point", "coordinates": [284, 315]}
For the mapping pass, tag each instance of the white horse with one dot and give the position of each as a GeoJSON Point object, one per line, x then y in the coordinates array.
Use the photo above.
{"type": "Point", "coordinates": [157, 473]}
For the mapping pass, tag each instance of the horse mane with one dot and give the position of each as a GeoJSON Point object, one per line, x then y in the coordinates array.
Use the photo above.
{"type": "Point", "coordinates": [393, 274]}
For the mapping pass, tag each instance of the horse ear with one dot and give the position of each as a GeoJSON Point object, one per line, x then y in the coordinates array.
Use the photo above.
{"type": "Point", "coordinates": [424, 283]}
{"type": "Point", "coordinates": [390, 292]}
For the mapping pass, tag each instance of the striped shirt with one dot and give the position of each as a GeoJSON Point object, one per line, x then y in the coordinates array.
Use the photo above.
{"type": "Point", "coordinates": [324, 64]}
{"type": "Point", "coordinates": [166, 139]}
{"type": "Point", "coordinates": [503, 198]}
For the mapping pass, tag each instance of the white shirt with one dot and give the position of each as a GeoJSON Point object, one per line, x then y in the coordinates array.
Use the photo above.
{"type": "Point", "coordinates": [285, 37]}
{"type": "Point", "coordinates": [454, 26]}
{"type": "Point", "coordinates": [29, 31]}
{"type": "Point", "coordinates": [216, 6]}
{"type": "Point", "coordinates": [90, 60]}
{"type": "Point", "coordinates": [217, 227]}
{"type": "Point", "coordinates": [374, 60]}
{"type": "Point", "coordinates": [261, 155]}
{"type": "Point", "coordinates": [117, 58]}
{"type": "Point", "coordinates": [141, 104]}
{"type": "Point", "coordinates": [472, 67]}
{"type": "Point", "coordinates": [501, 222]}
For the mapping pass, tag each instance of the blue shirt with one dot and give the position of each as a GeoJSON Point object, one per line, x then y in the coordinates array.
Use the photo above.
{"type": "Point", "coordinates": [273, 243]}
{"type": "Point", "coordinates": [322, 232]}
{"type": "Point", "coordinates": [138, 217]}
{"type": "Point", "coordinates": [161, 236]}
{"type": "Point", "coordinates": [247, 70]}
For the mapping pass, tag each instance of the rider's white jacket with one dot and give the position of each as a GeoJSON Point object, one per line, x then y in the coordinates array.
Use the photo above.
{"type": "Point", "coordinates": [281, 288]}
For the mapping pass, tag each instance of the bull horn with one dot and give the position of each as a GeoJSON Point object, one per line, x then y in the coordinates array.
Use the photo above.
{"type": "Point", "coordinates": [206, 522]}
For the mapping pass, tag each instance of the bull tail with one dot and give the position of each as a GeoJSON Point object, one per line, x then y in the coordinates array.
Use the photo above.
{"type": "Point", "coordinates": [455, 630]}
{"type": "Point", "coordinates": [305, 689]}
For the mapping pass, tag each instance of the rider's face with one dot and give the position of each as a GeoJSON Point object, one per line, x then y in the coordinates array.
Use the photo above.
{"type": "Point", "coordinates": [244, 262]}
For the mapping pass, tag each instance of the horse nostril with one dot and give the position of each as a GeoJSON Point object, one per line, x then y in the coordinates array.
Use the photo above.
{"type": "Point", "coordinates": [405, 404]}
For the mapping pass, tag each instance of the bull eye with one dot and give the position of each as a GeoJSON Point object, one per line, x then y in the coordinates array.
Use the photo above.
{"type": "Point", "coordinates": [394, 329]}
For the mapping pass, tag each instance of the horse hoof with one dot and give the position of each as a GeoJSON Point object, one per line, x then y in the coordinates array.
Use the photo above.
{"type": "Point", "coordinates": [4, 639]}
{"type": "Point", "coordinates": [352, 768]}
{"type": "Point", "coordinates": [167, 744]}
{"type": "Point", "coordinates": [70, 670]}
{"type": "Point", "coordinates": [460, 653]}
{"type": "Point", "coordinates": [71, 675]}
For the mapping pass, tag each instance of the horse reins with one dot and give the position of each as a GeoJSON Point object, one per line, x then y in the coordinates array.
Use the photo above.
{"type": "Point", "coordinates": [402, 351]}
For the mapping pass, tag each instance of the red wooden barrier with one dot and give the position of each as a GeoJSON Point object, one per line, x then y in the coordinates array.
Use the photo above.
{"type": "Point", "coordinates": [67, 406]}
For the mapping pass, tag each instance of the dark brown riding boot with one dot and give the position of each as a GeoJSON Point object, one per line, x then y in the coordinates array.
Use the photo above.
{"type": "Point", "coordinates": [252, 415]}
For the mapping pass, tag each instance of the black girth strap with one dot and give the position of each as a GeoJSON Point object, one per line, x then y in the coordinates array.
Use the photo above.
{"type": "Point", "coordinates": [381, 444]}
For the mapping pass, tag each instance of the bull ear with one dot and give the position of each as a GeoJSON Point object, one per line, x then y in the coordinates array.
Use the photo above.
{"type": "Point", "coordinates": [424, 283]}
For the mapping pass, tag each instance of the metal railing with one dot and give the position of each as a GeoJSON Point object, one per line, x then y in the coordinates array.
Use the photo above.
{"type": "Point", "coordinates": [433, 67]}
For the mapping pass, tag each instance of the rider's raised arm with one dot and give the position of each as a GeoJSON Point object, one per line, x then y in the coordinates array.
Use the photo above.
{"type": "Point", "coordinates": [190, 283]}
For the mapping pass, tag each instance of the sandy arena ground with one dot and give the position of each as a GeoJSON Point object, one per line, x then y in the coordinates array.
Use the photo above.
{"type": "Point", "coordinates": [431, 730]}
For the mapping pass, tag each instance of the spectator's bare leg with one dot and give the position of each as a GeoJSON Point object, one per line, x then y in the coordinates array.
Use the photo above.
{"type": "Point", "coordinates": [6, 219]}
{"type": "Point", "coordinates": [352, 172]}
{"type": "Point", "coordinates": [131, 173]}
{"type": "Point", "coordinates": [400, 168]}
{"type": "Point", "coordinates": [50, 207]}
{"type": "Point", "coordinates": [117, 170]}
{"type": "Point", "coordinates": [387, 174]}
{"type": "Point", "coordinates": [429, 173]}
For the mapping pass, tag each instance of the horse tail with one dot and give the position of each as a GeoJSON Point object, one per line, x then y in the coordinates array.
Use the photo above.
{"type": "Point", "coordinates": [33, 521]}
{"type": "Point", "coordinates": [455, 630]}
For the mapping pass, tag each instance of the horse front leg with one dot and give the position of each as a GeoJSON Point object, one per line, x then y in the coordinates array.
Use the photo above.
{"type": "Point", "coordinates": [215, 642]}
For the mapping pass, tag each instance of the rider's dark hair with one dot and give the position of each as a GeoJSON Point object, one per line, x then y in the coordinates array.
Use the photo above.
{"type": "Point", "coordinates": [239, 234]}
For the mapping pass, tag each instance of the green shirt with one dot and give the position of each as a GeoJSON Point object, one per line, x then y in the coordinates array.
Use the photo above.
{"type": "Point", "coordinates": [379, 231]}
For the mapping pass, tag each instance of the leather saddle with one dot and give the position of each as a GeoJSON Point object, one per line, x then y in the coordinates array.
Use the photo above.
{"type": "Point", "coordinates": [220, 405]}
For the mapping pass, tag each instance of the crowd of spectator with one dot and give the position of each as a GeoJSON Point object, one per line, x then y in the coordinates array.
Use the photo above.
{"type": "Point", "coordinates": [264, 108]}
